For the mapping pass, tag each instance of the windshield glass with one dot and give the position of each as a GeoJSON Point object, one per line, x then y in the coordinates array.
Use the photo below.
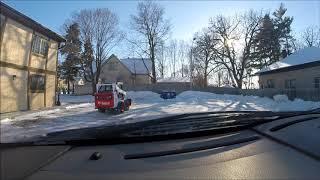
{"type": "Point", "coordinates": [163, 58]}
{"type": "Point", "coordinates": [105, 88]}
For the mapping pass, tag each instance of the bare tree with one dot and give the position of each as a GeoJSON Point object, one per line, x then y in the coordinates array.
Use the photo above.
{"type": "Point", "coordinates": [100, 28]}
{"type": "Point", "coordinates": [161, 59]}
{"type": "Point", "coordinates": [232, 32]}
{"type": "Point", "coordinates": [173, 56]}
{"type": "Point", "coordinates": [204, 54]}
{"type": "Point", "coordinates": [311, 36]}
{"type": "Point", "coordinates": [182, 55]}
{"type": "Point", "coordinates": [152, 28]}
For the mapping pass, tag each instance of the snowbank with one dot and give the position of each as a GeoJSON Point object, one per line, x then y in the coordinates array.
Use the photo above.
{"type": "Point", "coordinates": [144, 96]}
{"type": "Point", "coordinates": [280, 98]}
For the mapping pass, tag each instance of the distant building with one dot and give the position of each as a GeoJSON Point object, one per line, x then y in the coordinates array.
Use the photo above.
{"type": "Point", "coordinates": [29, 54]}
{"type": "Point", "coordinates": [300, 70]}
{"type": "Point", "coordinates": [130, 71]}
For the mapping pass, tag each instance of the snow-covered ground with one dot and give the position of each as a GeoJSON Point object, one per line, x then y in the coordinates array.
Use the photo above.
{"type": "Point", "coordinates": [78, 111]}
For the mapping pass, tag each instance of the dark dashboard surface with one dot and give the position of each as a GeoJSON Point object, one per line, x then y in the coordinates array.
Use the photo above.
{"type": "Point", "coordinates": [289, 150]}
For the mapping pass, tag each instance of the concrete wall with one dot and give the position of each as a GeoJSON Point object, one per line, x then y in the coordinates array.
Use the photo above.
{"type": "Point", "coordinates": [304, 78]}
{"type": "Point", "coordinates": [15, 51]}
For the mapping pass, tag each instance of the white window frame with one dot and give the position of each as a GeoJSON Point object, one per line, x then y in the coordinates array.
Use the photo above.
{"type": "Point", "coordinates": [40, 45]}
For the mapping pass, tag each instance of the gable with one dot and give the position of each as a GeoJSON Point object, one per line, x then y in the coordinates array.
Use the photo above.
{"type": "Point", "coordinates": [113, 64]}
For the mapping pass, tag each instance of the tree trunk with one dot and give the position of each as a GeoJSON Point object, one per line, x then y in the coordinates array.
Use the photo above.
{"type": "Point", "coordinates": [93, 82]}
{"type": "Point", "coordinates": [68, 85]}
{"type": "Point", "coordinates": [153, 80]}
{"type": "Point", "coordinates": [239, 83]}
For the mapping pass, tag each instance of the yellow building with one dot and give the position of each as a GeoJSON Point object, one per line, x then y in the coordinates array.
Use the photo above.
{"type": "Point", "coordinates": [29, 54]}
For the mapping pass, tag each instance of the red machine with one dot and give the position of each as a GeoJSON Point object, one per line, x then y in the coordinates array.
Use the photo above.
{"type": "Point", "coordinates": [112, 98]}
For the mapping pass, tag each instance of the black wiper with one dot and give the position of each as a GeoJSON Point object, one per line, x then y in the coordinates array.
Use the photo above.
{"type": "Point", "coordinates": [170, 127]}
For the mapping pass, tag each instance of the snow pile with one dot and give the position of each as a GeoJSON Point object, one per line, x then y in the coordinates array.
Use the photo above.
{"type": "Point", "coordinates": [143, 96]}
{"type": "Point", "coordinates": [303, 56]}
{"type": "Point", "coordinates": [69, 99]}
{"type": "Point", "coordinates": [79, 105]}
{"type": "Point", "coordinates": [280, 98]}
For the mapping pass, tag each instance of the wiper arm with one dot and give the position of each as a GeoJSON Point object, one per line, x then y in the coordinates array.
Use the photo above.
{"type": "Point", "coordinates": [175, 126]}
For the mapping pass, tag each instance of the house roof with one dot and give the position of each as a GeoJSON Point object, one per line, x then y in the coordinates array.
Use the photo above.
{"type": "Point", "coordinates": [174, 79]}
{"type": "Point", "coordinates": [137, 65]}
{"type": "Point", "coordinates": [25, 20]}
{"type": "Point", "coordinates": [297, 60]}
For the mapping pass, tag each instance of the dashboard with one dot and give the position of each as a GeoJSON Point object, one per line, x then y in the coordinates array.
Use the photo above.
{"type": "Point", "coordinates": [284, 149]}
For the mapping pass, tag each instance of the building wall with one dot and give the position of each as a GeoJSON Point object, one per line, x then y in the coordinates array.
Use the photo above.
{"type": "Point", "coordinates": [16, 43]}
{"type": "Point", "coordinates": [13, 90]}
{"type": "Point", "coordinates": [114, 71]}
{"type": "Point", "coordinates": [15, 55]}
{"type": "Point", "coordinates": [142, 79]}
{"type": "Point", "coordinates": [304, 78]}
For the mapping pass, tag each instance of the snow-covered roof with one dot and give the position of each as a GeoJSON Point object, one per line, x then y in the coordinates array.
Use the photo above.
{"type": "Point", "coordinates": [303, 56]}
{"type": "Point", "coordinates": [138, 65]}
{"type": "Point", "coordinates": [175, 79]}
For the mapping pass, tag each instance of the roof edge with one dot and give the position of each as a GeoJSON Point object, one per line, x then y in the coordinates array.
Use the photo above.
{"type": "Point", "coordinates": [290, 68]}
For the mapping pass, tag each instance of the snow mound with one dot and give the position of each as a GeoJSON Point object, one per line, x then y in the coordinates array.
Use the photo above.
{"type": "Point", "coordinates": [280, 98]}
{"type": "Point", "coordinates": [79, 105]}
{"type": "Point", "coordinates": [144, 96]}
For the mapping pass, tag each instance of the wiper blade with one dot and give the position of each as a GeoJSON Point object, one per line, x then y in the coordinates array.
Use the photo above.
{"type": "Point", "coordinates": [174, 126]}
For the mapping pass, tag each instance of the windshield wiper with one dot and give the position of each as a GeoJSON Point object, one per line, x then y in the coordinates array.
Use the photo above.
{"type": "Point", "coordinates": [170, 127]}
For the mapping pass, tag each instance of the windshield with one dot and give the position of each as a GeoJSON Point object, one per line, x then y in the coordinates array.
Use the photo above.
{"type": "Point", "coordinates": [105, 88]}
{"type": "Point", "coordinates": [163, 58]}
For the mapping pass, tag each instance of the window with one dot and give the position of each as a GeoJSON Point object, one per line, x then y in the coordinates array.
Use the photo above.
{"type": "Point", "coordinates": [40, 45]}
{"type": "Point", "coordinates": [105, 88]}
{"type": "Point", "coordinates": [290, 84]}
{"type": "Point", "coordinates": [270, 83]}
{"type": "Point", "coordinates": [317, 82]}
{"type": "Point", "coordinates": [37, 83]}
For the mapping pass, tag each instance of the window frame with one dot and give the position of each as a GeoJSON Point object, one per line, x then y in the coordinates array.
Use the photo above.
{"type": "Point", "coordinates": [40, 46]}
{"type": "Point", "coordinates": [37, 83]}
{"type": "Point", "coordinates": [290, 84]}
{"type": "Point", "coordinates": [270, 83]}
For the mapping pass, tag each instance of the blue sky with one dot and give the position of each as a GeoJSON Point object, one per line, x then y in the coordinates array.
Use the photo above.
{"type": "Point", "coordinates": [186, 17]}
